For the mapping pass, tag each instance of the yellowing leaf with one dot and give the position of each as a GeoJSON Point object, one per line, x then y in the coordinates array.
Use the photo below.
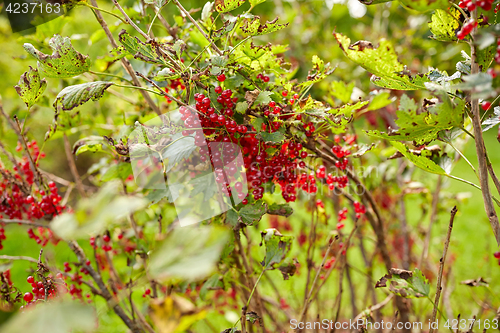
{"type": "Point", "coordinates": [174, 314]}
{"type": "Point", "coordinates": [30, 88]}
{"type": "Point", "coordinates": [255, 28]}
{"type": "Point", "coordinates": [224, 6]}
{"type": "Point", "coordinates": [444, 24]}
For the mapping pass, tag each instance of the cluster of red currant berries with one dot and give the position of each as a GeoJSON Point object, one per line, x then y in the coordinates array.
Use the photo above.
{"type": "Point", "coordinates": [470, 5]}
{"type": "Point", "coordinates": [466, 29]}
{"type": "Point", "coordinates": [39, 291]}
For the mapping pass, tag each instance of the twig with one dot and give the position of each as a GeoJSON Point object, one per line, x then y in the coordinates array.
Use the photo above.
{"type": "Point", "coordinates": [186, 13]}
{"type": "Point", "coordinates": [125, 63]}
{"type": "Point", "coordinates": [72, 166]}
{"type": "Point", "coordinates": [441, 266]}
{"type": "Point", "coordinates": [481, 149]}
{"type": "Point", "coordinates": [434, 212]}
{"type": "Point", "coordinates": [4, 257]}
{"type": "Point", "coordinates": [375, 307]}
{"type": "Point", "coordinates": [103, 289]}
{"type": "Point", "coordinates": [129, 21]}
{"type": "Point", "coordinates": [307, 301]}
{"type": "Point", "coordinates": [24, 222]}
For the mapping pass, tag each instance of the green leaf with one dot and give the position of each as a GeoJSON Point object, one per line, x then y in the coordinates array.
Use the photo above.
{"type": "Point", "coordinates": [263, 98]}
{"type": "Point", "coordinates": [224, 6]}
{"type": "Point", "coordinates": [425, 5]}
{"type": "Point", "coordinates": [280, 209]}
{"type": "Point", "coordinates": [241, 107]}
{"type": "Point", "coordinates": [30, 88]}
{"type": "Point", "coordinates": [188, 253]}
{"type": "Point", "coordinates": [342, 91]}
{"type": "Point", "coordinates": [485, 57]}
{"type": "Point", "coordinates": [424, 127]}
{"type": "Point", "coordinates": [117, 171]}
{"type": "Point", "coordinates": [251, 214]}
{"type": "Point", "coordinates": [180, 149]}
{"type": "Point", "coordinates": [479, 84]}
{"type": "Point", "coordinates": [53, 317]}
{"type": "Point", "coordinates": [277, 247]}
{"type": "Point", "coordinates": [73, 96]}
{"type": "Point", "coordinates": [257, 123]}
{"type": "Point", "coordinates": [363, 149]}
{"type": "Point", "coordinates": [380, 100]}
{"type": "Point", "coordinates": [213, 283]}
{"type": "Point", "coordinates": [148, 52]}
{"type": "Point", "coordinates": [248, 214]}
{"type": "Point", "coordinates": [275, 137]}
{"type": "Point", "coordinates": [65, 61]}
{"type": "Point", "coordinates": [154, 196]}
{"type": "Point", "coordinates": [444, 24]}
{"type": "Point", "coordinates": [406, 283]}
{"type": "Point", "coordinates": [383, 63]}
{"type": "Point", "coordinates": [255, 28]}
{"type": "Point", "coordinates": [254, 3]}
{"type": "Point", "coordinates": [348, 109]}
{"type": "Point", "coordinates": [92, 143]}
{"type": "Point", "coordinates": [97, 213]}
{"type": "Point", "coordinates": [492, 121]}
{"type": "Point", "coordinates": [420, 283]}
{"type": "Point", "coordinates": [420, 161]}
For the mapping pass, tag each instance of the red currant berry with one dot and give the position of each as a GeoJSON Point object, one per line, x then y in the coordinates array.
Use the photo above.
{"type": "Point", "coordinates": [28, 297]}
{"type": "Point", "coordinates": [30, 279]}
{"type": "Point", "coordinates": [486, 105]}
{"type": "Point", "coordinates": [221, 78]}
{"type": "Point", "coordinates": [106, 238]}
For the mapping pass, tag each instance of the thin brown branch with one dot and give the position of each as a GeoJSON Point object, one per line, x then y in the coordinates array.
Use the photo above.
{"type": "Point", "coordinates": [132, 325]}
{"type": "Point", "coordinates": [24, 222]}
{"type": "Point", "coordinates": [481, 148]}
{"type": "Point", "coordinates": [375, 307]}
{"type": "Point", "coordinates": [72, 166]}
{"type": "Point", "coordinates": [186, 13]}
{"type": "Point", "coordinates": [434, 213]}
{"type": "Point", "coordinates": [125, 63]}
{"type": "Point", "coordinates": [131, 22]}
{"type": "Point", "coordinates": [5, 257]}
{"type": "Point", "coordinates": [441, 266]}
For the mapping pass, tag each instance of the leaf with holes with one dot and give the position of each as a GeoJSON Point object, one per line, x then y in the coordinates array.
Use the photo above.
{"type": "Point", "coordinates": [30, 87]}
{"type": "Point", "coordinates": [424, 127]}
{"type": "Point", "coordinates": [277, 247]}
{"type": "Point", "coordinates": [224, 6]}
{"type": "Point", "coordinates": [444, 24]}
{"type": "Point", "coordinates": [65, 61]}
{"type": "Point", "coordinates": [383, 63]}
{"type": "Point", "coordinates": [148, 52]}
{"type": "Point", "coordinates": [253, 27]}
{"type": "Point", "coordinates": [420, 161]}
{"type": "Point", "coordinates": [73, 96]}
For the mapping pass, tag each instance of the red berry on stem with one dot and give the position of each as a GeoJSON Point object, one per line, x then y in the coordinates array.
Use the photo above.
{"type": "Point", "coordinates": [486, 105]}
{"type": "Point", "coordinates": [28, 297]}
{"type": "Point", "coordinates": [30, 279]}
{"type": "Point", "coordinates": [221, 78]}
